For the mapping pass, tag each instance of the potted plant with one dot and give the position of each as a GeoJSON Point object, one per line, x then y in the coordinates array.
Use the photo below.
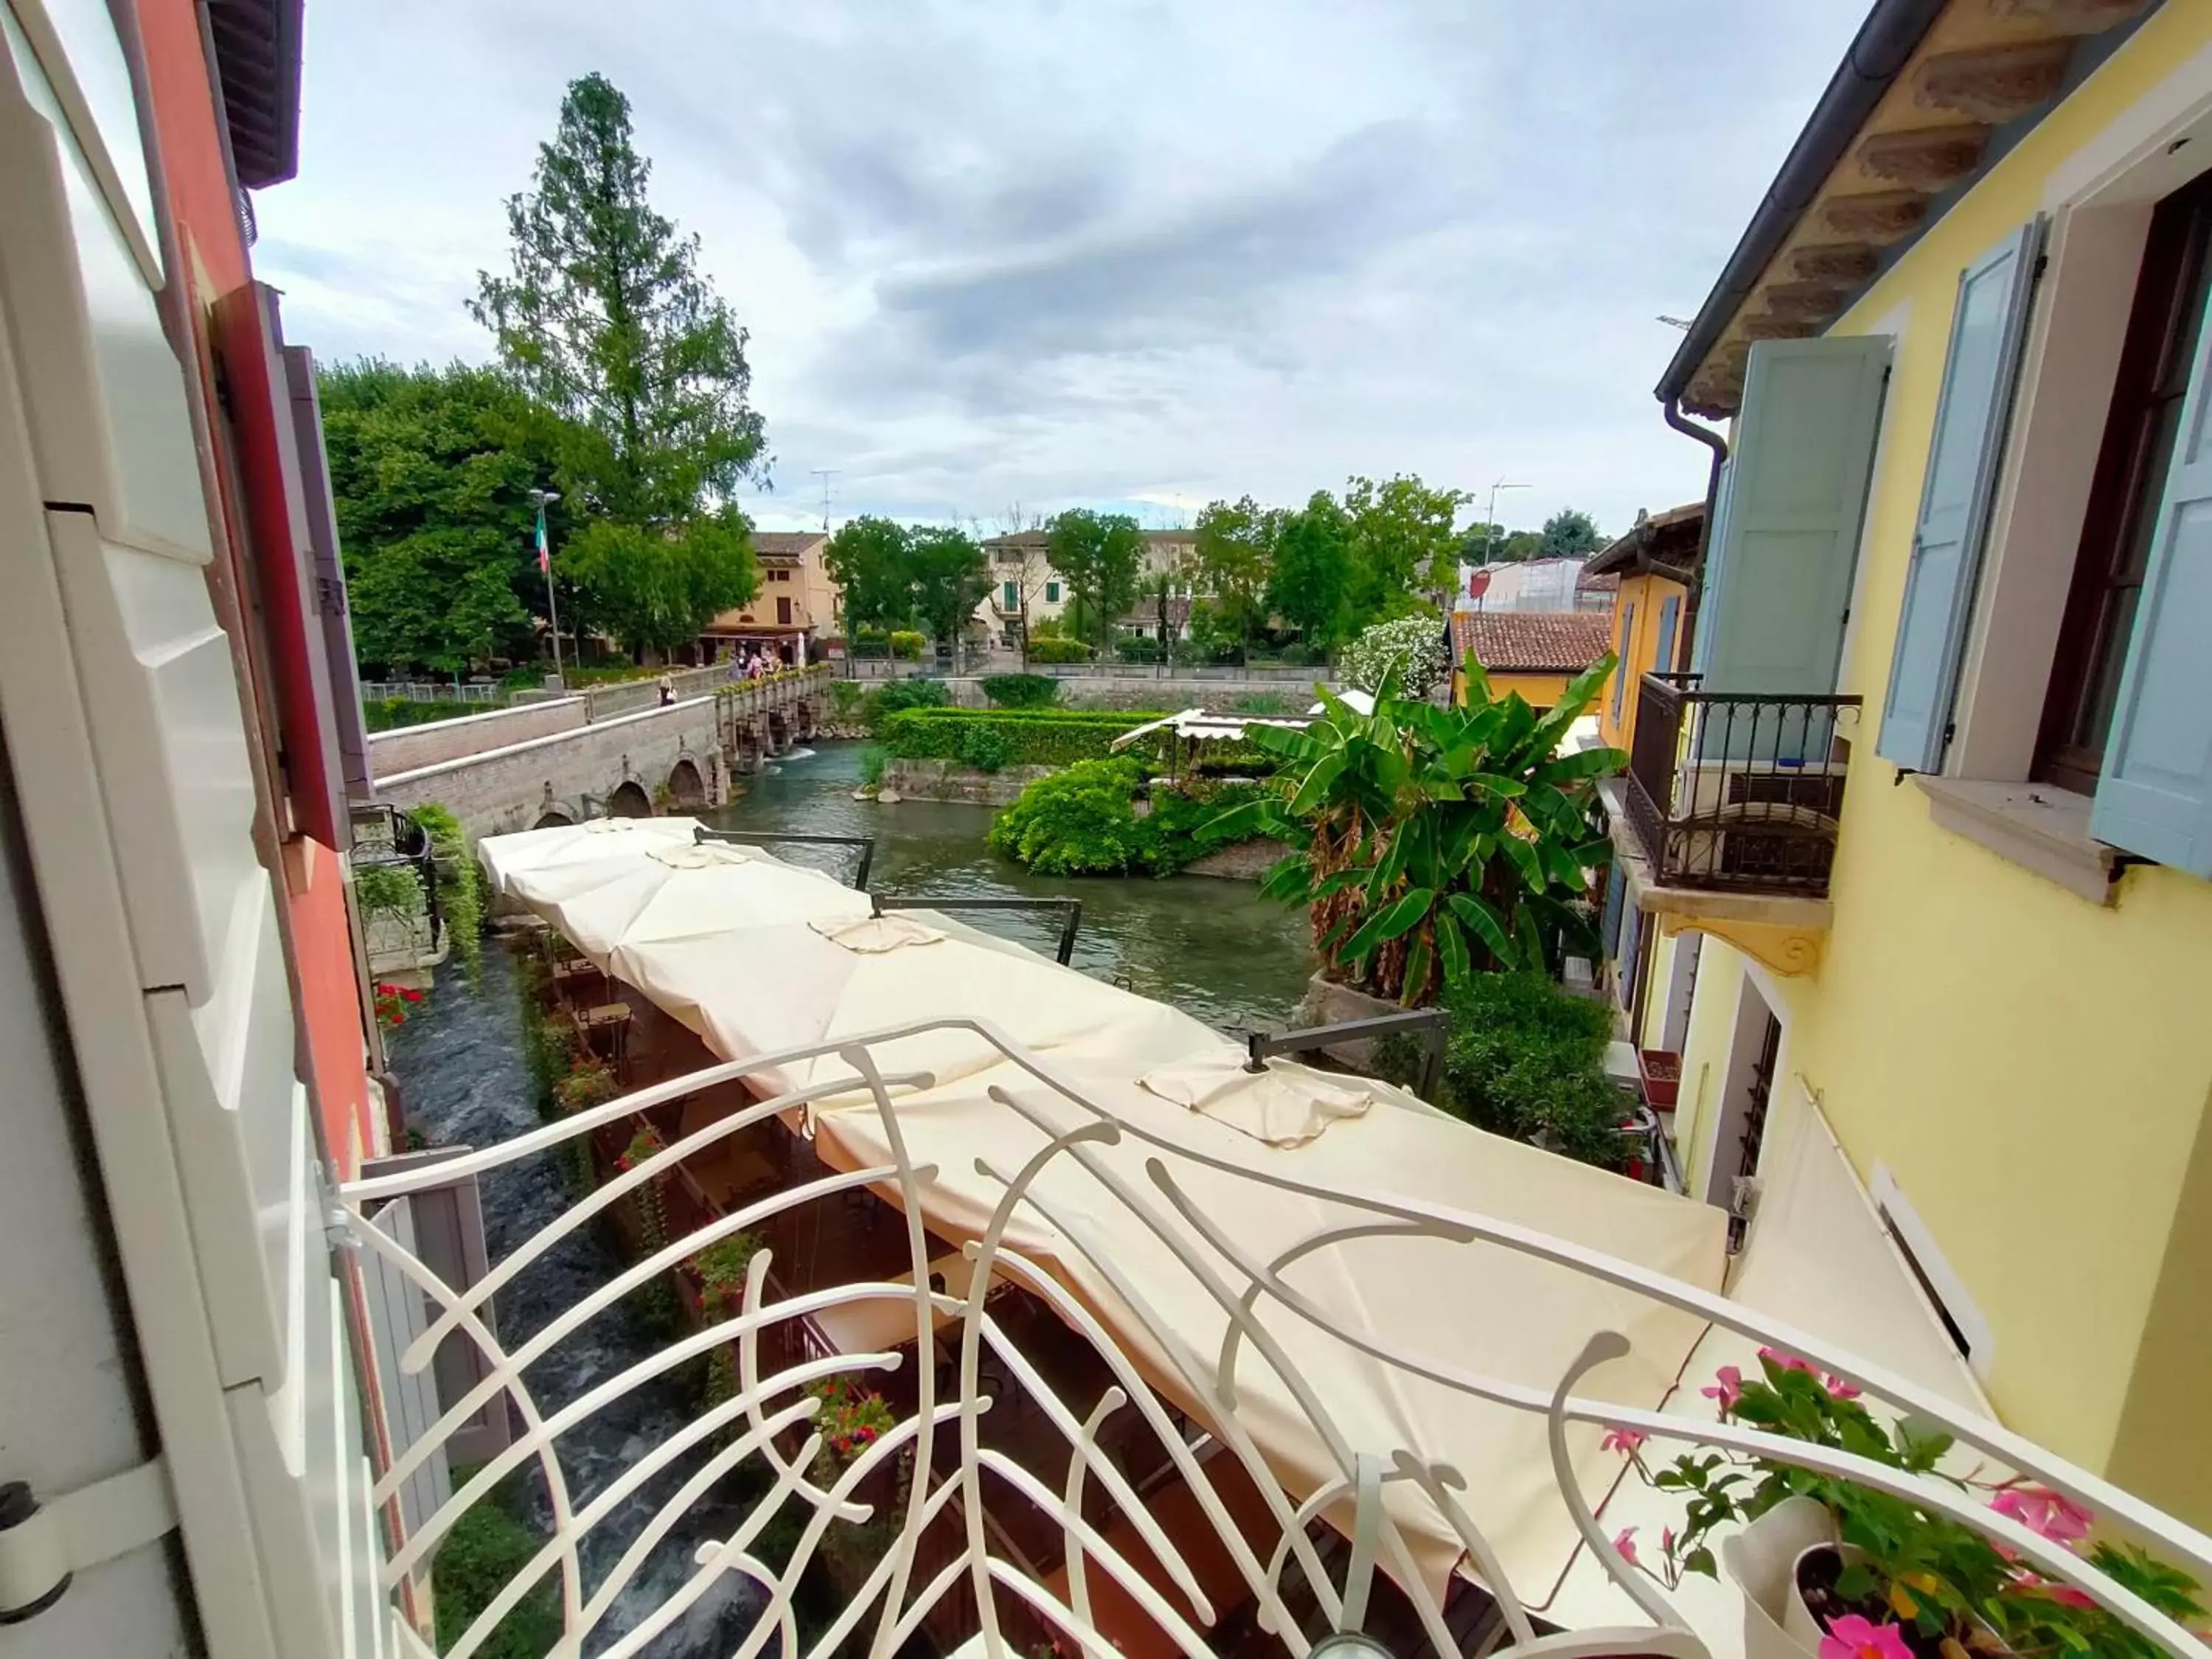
{"type": "Point", "coordinates": [851, 1419]}
{"type": "Point", "coordinates": [1660, 1073]}
{"type": "Point", "coordinates": [652, 1213]}
{"type": "Point", "coordinates": [1832, 1569]}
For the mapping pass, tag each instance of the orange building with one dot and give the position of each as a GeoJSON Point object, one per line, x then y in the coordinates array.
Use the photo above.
{"type": "Point", "coordinates": [1654, 563]}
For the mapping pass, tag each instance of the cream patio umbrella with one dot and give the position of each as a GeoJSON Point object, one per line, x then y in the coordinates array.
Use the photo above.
{"type": "Point", "coordinates": [504, 857]}
{"type": "Point", "coordinates": [1267, 1177]}
{"type": "Point", "coordinates": [665, 890]}
{"type": "Point", "coordinates": [767, 988]}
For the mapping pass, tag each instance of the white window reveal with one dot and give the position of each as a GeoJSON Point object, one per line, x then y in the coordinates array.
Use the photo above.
{"type": "Point", "coordinates": [1953, 1305]}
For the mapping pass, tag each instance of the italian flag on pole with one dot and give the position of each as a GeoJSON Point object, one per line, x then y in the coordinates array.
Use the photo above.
{"type": "Point", "coordinates": [544, 552]}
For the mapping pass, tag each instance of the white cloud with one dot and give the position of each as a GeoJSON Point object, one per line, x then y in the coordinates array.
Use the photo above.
{"type": "Point", "coordinates": [1038, 252]}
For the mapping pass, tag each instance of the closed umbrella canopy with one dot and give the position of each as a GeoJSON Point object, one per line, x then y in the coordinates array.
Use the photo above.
{"type": "Point", "coordinates": [1475, 1307]}
{"type": "Point", "coordinates": [770, 987]}
{"type": "Point", "coordinates": [673, 890]}
{"type": "Point", "coordinates": [505, 857]}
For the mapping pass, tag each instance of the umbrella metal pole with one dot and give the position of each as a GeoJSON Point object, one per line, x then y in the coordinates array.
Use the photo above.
{"type": "Point", "coordinates": [1428, 1023]}
{"type": "Point", "coordinates": [769, 837]}
{"type": "Point", "coordinates": [1071, 912]}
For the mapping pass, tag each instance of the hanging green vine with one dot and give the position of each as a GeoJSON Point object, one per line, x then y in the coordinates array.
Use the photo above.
{"type": "Point", "coordinates": [459, 892]}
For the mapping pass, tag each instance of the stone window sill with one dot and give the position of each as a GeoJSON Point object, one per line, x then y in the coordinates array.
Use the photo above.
{"type": "Point", "coordinates": [2035, 825]}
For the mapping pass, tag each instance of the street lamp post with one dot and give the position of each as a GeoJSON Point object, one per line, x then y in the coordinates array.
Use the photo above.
{"type": "Point", "coordinates": [546, 565]}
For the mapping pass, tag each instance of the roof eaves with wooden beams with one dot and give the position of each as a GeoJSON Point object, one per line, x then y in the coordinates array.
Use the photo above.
{"type": "Point", "coordinates": [1981, 68]}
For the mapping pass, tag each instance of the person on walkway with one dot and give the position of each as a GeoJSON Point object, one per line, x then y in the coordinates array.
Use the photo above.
{"type": "Point", "coordinates": [667, 690]}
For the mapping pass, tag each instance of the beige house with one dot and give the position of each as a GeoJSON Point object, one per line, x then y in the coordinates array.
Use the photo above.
{"type": "Point", "coordinates": [797, 602]}
{"type": "Point", "coordinates": [1025, 586]}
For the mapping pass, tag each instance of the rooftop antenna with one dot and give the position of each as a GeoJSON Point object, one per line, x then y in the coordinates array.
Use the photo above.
{"type": "Point", "coordinates": [825, 473]}
{"type": "Point", "coordinates": [1682, 323]}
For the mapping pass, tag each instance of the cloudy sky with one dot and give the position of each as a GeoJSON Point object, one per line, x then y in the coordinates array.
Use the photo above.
{"type": "Point", "coordinates": [1041, 253]}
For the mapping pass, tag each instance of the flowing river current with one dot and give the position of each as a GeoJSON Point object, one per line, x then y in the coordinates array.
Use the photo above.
{"type": "Point", "coordinates": [1211, 947]}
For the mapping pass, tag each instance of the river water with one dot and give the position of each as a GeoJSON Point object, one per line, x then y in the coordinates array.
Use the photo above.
{"type": "Point", "coordinates": [1211, 947]}
{"type": "Point", "coordinates": [1214, 948]}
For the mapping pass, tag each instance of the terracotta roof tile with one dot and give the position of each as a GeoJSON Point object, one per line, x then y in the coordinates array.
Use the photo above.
{"type": "Point", "coordinates": [1532, 642]}
{"type": "Point", "coordinates": [784, 543]}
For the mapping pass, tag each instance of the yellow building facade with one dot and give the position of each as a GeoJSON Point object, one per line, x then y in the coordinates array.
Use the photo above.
{"type": "Point", "coordinates": [2002, 1011]}
{"type": "Point", "coordinates": [1651, 608]}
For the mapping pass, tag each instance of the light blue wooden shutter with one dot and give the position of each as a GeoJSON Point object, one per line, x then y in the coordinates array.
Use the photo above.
{"type": "Point", "coordinates": [1621, 673]}
{"type": "Point", "coordinates": [2155, 797]}
{"type": "Point", "coordinates": [1804, 451]}
{"type": "Point", "coordinates": [1670, 613]}
{"type": "Point", "coordinates": [1701, 644]}
{"type": "Point", "coordinates": [1987, 327]}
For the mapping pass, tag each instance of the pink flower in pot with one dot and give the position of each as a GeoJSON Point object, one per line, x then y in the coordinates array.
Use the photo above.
{"type": "Point", "coordinates": [1852, 1637]}
{"type": "Point", "coordinates": [1727, 1387]}
{"type": "Point", "coordinates": [1624, 1441]}
{"type": "Point", "coordinates": [2042, 1510]}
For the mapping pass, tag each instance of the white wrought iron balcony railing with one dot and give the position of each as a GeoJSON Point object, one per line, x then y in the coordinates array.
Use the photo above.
{"type": "Point", "coordinates": [1029, 1482]}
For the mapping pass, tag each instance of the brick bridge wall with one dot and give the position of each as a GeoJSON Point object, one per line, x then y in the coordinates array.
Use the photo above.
{"type": "Point", "coordinates": [514, 787]}
{"type": "Point", "coordinates": [412, 747]}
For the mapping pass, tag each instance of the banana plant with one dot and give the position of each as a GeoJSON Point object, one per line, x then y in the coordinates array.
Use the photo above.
{"type": "Point", "coordinates": [1431, 843]}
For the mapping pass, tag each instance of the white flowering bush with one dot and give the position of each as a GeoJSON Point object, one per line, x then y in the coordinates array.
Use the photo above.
{"type": "Point", "coordinates": [1416, 644]}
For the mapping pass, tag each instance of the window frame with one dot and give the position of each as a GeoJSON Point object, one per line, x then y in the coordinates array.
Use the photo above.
{"type": "Point", "coordinates": [2173, 286]}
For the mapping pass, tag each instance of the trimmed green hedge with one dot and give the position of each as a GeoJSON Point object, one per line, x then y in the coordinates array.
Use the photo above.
{"type": "Point", "coordinates": [1048, 737]}
{"type": "Point", "coordinates": [1033, 737]}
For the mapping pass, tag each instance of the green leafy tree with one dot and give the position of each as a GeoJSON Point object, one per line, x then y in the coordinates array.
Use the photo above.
{"type": "Point", "coordinates": [1235, 542]}
{"type": "Point", "coordinates": [1403, 546]}
{"type": "Point", "coordinates": [867, 557]}
{"type": "Point", "coordinates": [947, 578]}
{"type": "Point", "coordinates": [606, 320]}
{"type": "Point", "coordinates": [430, 474]}
{"type": "Point", "coordinates": [1434, 843]}
{"type": "Point", "coordinates": [1100, 556]}
{"type": "Point", "coordinates": [1570, 533]}
{"type": "Point", "coordinates": [1310, 586]}
{"type": "Point", "coordinates": [653, 589]}
{"type": "Point", "coordinates": [1522, 546]}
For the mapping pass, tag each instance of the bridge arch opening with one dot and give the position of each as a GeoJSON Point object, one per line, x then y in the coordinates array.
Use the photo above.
{"type": "Point", "coordinates": [629, 800]}
{"type": "Point", "coordinates": [553, 817]}
{"type": "Point", "coordinates": [685, 786]}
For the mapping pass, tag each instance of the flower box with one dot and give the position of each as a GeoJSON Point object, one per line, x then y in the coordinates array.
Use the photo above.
{"type": "Point", "coordinates": [1660, 1073]}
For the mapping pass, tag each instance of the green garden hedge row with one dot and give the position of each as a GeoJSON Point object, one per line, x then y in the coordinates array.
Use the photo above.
{"type": "Point", "coordinates": [1038, 737]}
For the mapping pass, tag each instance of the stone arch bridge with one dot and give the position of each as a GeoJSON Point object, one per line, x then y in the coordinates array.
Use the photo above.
{"type": "Point", "coordinates": [572, 758]}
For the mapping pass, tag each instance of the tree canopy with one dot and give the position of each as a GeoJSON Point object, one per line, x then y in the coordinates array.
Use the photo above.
{"type": "Point", "coordinates": [1403, 547]}
{"type": "Point", "coordinates": [1100, 556]}
{"type": "Point", "coordinates": [1235, 544]}
{"type": "Point", "coordinates": [1569, 534]}
{"type": "Point", "coordinates": [1311, 585]}
{"type": "Point", "coordinates": [866, 558]}
{"type": "Point", "coordinates": [606, 319]}
{"type": "Point", "coordinates": [894, 576]}
{"type": "Point", "coordinates": [431, 470]}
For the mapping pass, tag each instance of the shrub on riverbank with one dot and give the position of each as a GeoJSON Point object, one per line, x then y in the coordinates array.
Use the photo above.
{"type": "Point", "coordinates": [1035, 737]}
{"type": "Point", "coordinates": [1020, 690]}
{"type": "Point", "coordinates": [1525, 1058]}
{"type": "Point", "coordinates": [1042, 649]}
{"type": "Point", "coordinates": [1083, 821]}
{"type": "Point", "coordinates": [897, 696]}
{"type": "Point", "coordinates": [487, 1545]}
{"type": "Point", "coordinates": [390, 714]}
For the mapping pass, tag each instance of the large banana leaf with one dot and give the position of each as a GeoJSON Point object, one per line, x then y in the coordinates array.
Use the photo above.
{"type": "Point", "coordinates": [1435, 843]}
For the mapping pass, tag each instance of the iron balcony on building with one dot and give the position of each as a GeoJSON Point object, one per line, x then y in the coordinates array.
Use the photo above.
{"type": "Point", "coordinates": [1734, 791]}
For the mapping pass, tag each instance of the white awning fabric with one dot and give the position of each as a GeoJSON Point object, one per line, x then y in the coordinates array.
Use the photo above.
{"type": "Point", "coordinates": [810, 968]}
